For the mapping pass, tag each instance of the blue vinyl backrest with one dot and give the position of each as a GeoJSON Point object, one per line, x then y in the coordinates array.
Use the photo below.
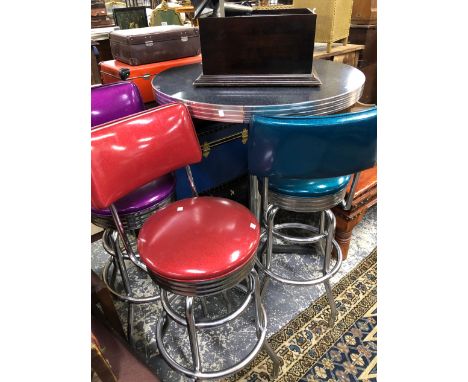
{"type": "Point", "coordinates": [313, 147]}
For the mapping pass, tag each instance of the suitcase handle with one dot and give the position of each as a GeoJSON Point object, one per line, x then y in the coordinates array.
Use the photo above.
{"type": "Point", "coordinates": [207, 146]}
{"type": "Point", "coordinates": [124, 73]}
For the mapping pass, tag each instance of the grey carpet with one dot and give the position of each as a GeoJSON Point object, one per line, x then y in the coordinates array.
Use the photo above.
{"type": "Point", "coordinates": [224, 346]}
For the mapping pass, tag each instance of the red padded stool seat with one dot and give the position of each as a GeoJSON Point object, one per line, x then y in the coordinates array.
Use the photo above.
{"type": "Point", "coordinates": [198, 239]}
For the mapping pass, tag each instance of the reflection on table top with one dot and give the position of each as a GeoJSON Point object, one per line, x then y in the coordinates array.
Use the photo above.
{"type": "Point", "coordinates": [342, 86]}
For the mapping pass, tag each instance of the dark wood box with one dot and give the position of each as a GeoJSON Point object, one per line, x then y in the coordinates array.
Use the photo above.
{"type": "Point", "coordinates": [269, 47]}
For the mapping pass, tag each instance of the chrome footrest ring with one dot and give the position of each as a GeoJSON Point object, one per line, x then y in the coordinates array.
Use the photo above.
{"type": "Point", "coordinates": [212, 323]}
{"type": "Point", "coordinates": [261, 338]}
{"type": "Point", "coordinates": [300, 240]}
{"type": "Point", "coordinates": [108, 243]}
{"type": "Point", "coordinates": [124, 297]}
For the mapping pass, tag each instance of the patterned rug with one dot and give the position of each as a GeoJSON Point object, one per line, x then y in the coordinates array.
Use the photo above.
{"type": "Point", "coordinates": [313, 352]}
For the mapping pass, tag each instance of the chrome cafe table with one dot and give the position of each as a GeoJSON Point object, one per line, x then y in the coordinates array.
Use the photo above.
{"type": "Point", "coordinates": [341, 88]}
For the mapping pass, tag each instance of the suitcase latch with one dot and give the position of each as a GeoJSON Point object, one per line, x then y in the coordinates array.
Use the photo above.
{"type": "Point", "coordinates": [184, 38]}
{"type": "Point", "coordinates": [245, 136]}
{"type": "Point", "coordinates": [206, 149]}
{"type": "Point", "coordinates": [149, 43]}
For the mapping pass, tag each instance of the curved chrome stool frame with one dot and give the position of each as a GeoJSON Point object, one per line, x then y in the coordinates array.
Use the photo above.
{"type": "Point", "coordinates": [114, 237]}
{"type": "Point", "coordinates": [111, 244]}
{"type": "Point", "coordinates": [271, 203]}
{"type": "Point", "coordinates": [219, 286]}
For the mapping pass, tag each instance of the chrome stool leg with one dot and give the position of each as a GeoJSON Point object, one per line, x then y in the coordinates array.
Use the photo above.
{"type": "Point", "coordinates": [128, 290]}
{"type": "Point", "coordinates": [165, 323]}
{"type": "Point", "coordinates": [204, 307]}
{"type": "Point", "coordinates": [326, 266]}
{"type": "Point", "coordinates": [114, 271]}
{"type": "Point", "coordinates": [261, 323]}
{"type": "Point", "coordinates": [331, 301]}
{"type": "Point", "coordinates": [166, 320]}
{"type": "Point", "coordinates": [322, 230]}
{"type": "Point", "coordinates": [270, 216]}
{"type": "Point", "coordinates": [108, 244]}
{"type": "Point", "coordinates": [192, 330]}
{"type": "Point", "coordinates": [227, 301]}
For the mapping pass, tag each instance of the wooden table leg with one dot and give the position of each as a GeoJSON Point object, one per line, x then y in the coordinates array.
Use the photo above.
{"type": "Point", "coordinates": [344, 232]}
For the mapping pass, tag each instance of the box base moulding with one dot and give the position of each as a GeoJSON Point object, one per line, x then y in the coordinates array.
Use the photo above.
{"type": "Point", "coordinates": [259, 80]}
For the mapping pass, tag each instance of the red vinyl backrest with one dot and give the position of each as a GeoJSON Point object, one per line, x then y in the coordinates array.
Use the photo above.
{"type": "Point", "coordinates": [130, 152]}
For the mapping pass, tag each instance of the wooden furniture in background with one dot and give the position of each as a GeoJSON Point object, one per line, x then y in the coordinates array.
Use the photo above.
{"type": "Point", "coordinates": [99, 363]}
{"type": "Point", "coordinates": [367, 35]}
{"type": "Point", "coordinates": [189, 11]}
{"type": "Point", "coordinates": [101, 37]}
{"type": "Point", "coordinates": [113, 360]}
{"type": "Point", "coordinates": [333, 19]}
{"type": "Point", "coordinates": [346, 54]}
{"type": "Point", "coordinates": [99, 16]}
{"type": "Point", "coordinates": [364, 31]}
{"type": "Point", "coordinates": [364, 12]}
{"type": "Point", "coordinates": [365, 197]}
{"type": "Point", "coordinates": [100, 41]}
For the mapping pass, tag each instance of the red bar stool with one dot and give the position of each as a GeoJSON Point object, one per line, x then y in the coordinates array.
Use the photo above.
{"type": "Point", "coordinates": [193, 248]}
{"type": "Point", "coordinates": [109, 103]}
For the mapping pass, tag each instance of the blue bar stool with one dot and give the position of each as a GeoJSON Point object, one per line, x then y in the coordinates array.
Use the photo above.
{"type": "Point", "coordinates": [304, 165]}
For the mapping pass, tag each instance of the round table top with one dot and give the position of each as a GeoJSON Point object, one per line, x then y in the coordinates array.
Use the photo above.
{"type": "Point", "coordinates": [341, 88]}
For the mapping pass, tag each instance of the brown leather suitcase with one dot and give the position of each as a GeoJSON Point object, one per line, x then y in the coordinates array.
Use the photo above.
{"type": "Point", "coordinates": [99, 17]}
{"type": "Point", "coordinates": [154, 44]}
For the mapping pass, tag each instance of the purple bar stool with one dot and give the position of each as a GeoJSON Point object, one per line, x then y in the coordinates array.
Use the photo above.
{"type": "Point", "coordinates": [108, 103]}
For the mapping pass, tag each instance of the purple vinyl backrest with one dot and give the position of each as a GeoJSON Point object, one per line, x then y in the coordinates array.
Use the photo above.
{"type": "Point", "coordinates": [114, 101]}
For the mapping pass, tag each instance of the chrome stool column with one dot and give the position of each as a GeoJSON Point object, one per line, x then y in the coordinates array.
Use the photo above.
{"type": "Point", "coordinates": [303, 164]}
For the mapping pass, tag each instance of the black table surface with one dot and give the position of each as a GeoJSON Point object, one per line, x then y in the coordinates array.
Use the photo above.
{"type": "Point", "coordinates": [341, 88]}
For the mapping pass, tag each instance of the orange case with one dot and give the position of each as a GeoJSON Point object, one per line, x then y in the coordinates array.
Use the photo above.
{"type": "Point", "coordinates": [141, 75]}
